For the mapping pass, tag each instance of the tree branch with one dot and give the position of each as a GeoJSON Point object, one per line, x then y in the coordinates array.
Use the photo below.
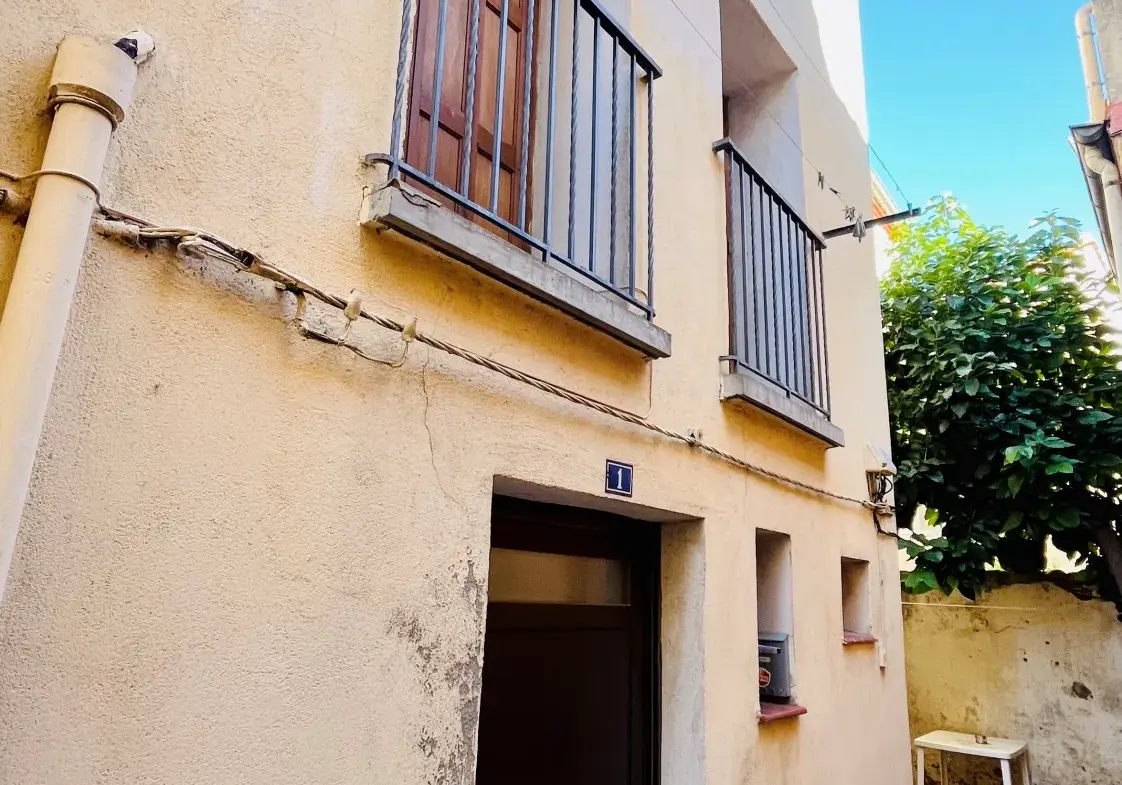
{"type": "Point", "coordinates": [1111, 546]}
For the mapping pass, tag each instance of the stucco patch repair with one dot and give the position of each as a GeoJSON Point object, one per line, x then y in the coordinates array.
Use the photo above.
{"type": "Point", "coordinates": [449, 668]}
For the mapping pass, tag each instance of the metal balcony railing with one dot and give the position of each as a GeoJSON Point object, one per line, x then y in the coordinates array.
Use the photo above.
{"type": "Point", "coordinates": [531, 127]}
{"type": "Point", "coordinates": [777, 303]}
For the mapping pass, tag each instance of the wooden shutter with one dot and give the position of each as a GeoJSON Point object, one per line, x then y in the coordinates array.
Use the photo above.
{"type": "Point", "coordinates": [454, 91]}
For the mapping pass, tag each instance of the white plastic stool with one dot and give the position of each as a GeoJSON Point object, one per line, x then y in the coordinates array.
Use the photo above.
{"type": "Point", "coordinates": [1004, 750]}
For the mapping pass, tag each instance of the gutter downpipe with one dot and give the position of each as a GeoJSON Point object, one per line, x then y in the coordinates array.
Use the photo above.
{"type": "Point", "coordinates": [1089, 57]}
{"type": "Point", "coordinates": [1093, 158]}
{"type": "Point", "coordinates": [90, 90]}
{"type": "Point", "coordinates": [1111, 181]}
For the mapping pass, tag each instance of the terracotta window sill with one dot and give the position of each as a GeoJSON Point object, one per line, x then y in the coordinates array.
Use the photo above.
{"type": "Point", "coordinates": [858, 638]}
{"type": "Point", "coordinates": [773, 712]}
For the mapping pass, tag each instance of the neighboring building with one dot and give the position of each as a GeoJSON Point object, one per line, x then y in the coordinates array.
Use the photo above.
{"type": "Point", "coordinates": [248, 554]}
{"type": "Point", "coordinates": [883, 206]}
{"type": "Point", "coordinates": [1098, 142]}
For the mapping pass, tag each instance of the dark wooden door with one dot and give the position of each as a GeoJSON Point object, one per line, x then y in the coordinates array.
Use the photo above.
{"type": "Point", "coordinates": [569, 690]}
{"type": "Point", "coordinates": [452, 126]}
{"type": "Point", "coordinates": [556, 696]}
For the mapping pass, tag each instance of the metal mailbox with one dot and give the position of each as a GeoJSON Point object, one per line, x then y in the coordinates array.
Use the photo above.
{"type": "Point", "coordinates": [775, 665]}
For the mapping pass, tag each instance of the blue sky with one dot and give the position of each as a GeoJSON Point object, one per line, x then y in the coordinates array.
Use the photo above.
{"type": "Point", "coordinates": [975, 97]}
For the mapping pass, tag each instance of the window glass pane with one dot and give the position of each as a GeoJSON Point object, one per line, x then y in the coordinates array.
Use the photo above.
{"type": "Point", "coordinates": [527, 576]}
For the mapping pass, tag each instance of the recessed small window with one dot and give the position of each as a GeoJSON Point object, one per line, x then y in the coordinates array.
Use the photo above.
{"type": "Point", "coordinates": [857, 622]}
{"type": "Point", "coordinates": [774, 618]}
{"type": "Point", "coordinates": [773, 583]}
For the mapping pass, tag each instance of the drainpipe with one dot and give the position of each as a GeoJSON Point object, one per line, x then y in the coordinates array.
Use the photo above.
{"type": "Point", "coordinates": [1093, 158]}
{"type": "Point", "coordinates": [1107, 171]}
{"type": "Point", "coordinates": [90, 90]}
{"type": "Point", "coordinates": [1089, 56]}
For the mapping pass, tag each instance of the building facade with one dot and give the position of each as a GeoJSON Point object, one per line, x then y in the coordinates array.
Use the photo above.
{"type": "Point", "coordinates": [537, 403]}
{"type": "Point", "coordinates": [1098, 30]}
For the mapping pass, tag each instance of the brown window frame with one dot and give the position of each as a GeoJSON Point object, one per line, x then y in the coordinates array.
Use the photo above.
{"type": "Point", "coordinates": [453, 114]}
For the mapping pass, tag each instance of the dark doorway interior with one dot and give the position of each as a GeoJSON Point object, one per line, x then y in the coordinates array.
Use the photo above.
{"type": "Point", "coordinates": [570, 677]}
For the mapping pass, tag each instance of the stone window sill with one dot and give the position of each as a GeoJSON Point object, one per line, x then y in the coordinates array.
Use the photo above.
{"type": "Point", "coordinates": [858, 638]}
{"type": "Point", "coordinates": [419, 217]}
{"type": "Point", "coordinates": [773, 712]}
{"type": "Point", "coordinates": [746, 386]}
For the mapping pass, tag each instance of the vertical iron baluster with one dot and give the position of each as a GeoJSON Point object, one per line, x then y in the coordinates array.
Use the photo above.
{"type": "Point", "coordinates": [772, 309]}
{"type": "Point", "coordinates": [437, 85]}
{"type": "Point", "coordinates": [797, 298]}
{"type": "Point", "coordinates": [789, 261]}
{"type": "Point", "coordinates": [632, 178]}
{"type": "Point", "coordinates": [740, 295]}
{"type": "Point", "coordinates": [780, 297]}
{"type": "Point", "coordinates": [762, 264]}
{"type": "Point", "coordinates": [399, 89]}
{"type": "Point", "coordinates": [811, 354]}
{"type": "Point", "coordinates": [469, 115]}
{"type": "Point", "coordinates": [496, 150]}
{"type": "Point", "coordinates": [825, 336]}
{"type": "Point", "coordinates": [615, 160]}
{"type": "Point", "coordinates": [549, 134]}
{"type": "Point", "coordinates": [650, 195]}
{"type": "Point", "coordinates": [573, 136]}
{"type": "Point", "coordinates": [592, 205]}
{"type": "Point", "coordinates": [755, 266]}
{"type": "Point", "coordinates": [803, 305]}
{"type": "Point", "coordinates": [785, 293]}
{"type": "Point", "coordinates": [819, 393]}
{"type": "Point", "coordinates": [527, 89]}
{"type": "Point", "coordinates": [789, 267]}
{"type": "Point", "coordinates": [796, 318]}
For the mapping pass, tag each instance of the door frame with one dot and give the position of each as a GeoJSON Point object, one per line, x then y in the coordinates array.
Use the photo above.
{"type": "Point", "coordinates": [552, 528]}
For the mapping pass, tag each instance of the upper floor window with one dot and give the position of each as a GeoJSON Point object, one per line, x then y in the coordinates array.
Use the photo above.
{"type": "Point", "coordinates": [776, 298]}
{"type": "Point", "coordinates": [534, 119]}
{"type": "Point", "coordinates": [776, 295]}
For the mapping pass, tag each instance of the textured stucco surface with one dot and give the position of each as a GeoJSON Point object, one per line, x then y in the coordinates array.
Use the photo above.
{"type": "Point", "coordinates": [247, 558]}
{"type": "Point", "coordinates": [1040, 666]}
{"type": "Point", "coordinates": [1108, 25]}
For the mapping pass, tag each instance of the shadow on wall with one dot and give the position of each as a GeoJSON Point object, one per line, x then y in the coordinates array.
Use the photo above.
{"type": "Point", "coordinates": [1029, 662]}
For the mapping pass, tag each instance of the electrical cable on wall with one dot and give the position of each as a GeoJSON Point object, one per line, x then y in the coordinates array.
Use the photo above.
{"type": "Point", "coordinates": [137, 232]}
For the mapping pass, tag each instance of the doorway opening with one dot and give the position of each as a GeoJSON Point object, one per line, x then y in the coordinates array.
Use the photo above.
{"type": "Point", "coordinates": [570, 666]}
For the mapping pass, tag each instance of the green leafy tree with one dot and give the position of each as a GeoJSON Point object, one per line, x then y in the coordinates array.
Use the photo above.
{"type": "Point", "coordinates": [1006, 401]}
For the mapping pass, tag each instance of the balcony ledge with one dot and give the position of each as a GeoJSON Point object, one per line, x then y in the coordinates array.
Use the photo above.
{"type": "Point", "coordinates": [746, 386]}
{"type": "Point", "coordinates": [419, 217]}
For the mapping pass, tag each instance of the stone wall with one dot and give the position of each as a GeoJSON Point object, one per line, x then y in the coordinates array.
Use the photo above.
{"type": "Point", "coordinates": [1028, 662]}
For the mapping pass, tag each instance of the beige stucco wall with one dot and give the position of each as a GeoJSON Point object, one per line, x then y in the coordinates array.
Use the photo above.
{"type": "Point", "coordinates": [250, 558]}
{"type": "Point", "coordinates": [1108, 25]}
{"type": "Point", "coordinates": [1016, 667]}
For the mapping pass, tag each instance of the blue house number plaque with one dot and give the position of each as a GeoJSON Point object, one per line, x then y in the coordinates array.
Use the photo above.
{"type": "Point", "coordinates": [618, 478]}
